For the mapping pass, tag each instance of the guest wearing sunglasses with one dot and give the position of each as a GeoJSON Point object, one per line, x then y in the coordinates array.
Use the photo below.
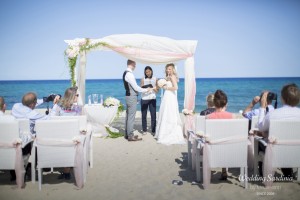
{"type": "Point", "coordinates": [67, 106]}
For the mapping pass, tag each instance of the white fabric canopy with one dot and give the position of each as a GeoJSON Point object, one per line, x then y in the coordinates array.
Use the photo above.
{"type": "Point", "coordinates": [145, 49]}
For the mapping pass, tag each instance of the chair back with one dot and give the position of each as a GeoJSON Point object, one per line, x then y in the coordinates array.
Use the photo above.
{"type": "Point", "coordinates": [200, 123]}
{"type": "Point", "coordinates": [254, 123]}
{"type": "Point", "coordinates": [88, 141]}
{"type": "Point", "coordinates": [24, 125]}
{"type": "Point", "coordinates": [285, 155]}
{"type": "Point", "coordinates": [9, 131]}
{"type": "Point", "coordinates": [56, 156]}
{"type": "Point", "coordinates": [231, 154]}
{"type": "Point", "coordinates": [82, 120]}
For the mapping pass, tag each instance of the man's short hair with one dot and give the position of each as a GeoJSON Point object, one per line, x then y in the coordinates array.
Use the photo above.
{"type": "Point", "coordinates": [130, 62]}
{"type": "Point", "coordinates": [290, 94]}
{"type": "Point", "coordinates": [29, 98]}
{"type": "Point", "coordinates": [2, 102]}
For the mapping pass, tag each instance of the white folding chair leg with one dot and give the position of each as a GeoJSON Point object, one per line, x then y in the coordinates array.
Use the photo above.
{"type": "Point", "coordinates": [245, 174]}
{"type": "Point", "coordinates": [40, 178]}
{"type": "Point", "coordinates": [198, 166]}
{"type": "Point", "coordinates": [91, 153]}
{"type": "Point", "coordinates": [32, 159]}
{"type": "Point", "coordinates": [189, 144]}
{"type": "Point", "coordinates": [255, 164]}
{"type": "Point", "coordinates": [193, 154]}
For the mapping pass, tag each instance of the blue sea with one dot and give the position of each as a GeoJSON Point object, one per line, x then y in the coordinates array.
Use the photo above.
{"type": "Point", "coordinates": [240, 91]}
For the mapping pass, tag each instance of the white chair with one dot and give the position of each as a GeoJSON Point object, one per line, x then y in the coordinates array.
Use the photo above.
{"type": "Point", "coordinates": [9, 134]}
{"type": "Point", "coordinates": [285, 138]}
{"type": "Point", "coordinates": [228, 141]}
{"type": "Point", "coordinates": [88, 144]}
{"type": "Point", "coordinates": [55, 147]}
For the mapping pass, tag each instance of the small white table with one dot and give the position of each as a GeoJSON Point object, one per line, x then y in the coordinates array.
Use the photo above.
{"type": "Point", "coordinates": [99, 116]}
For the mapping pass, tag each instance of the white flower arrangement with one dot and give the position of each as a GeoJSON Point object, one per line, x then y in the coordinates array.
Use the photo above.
{"type": "Point", "coordinates": [17, 141]}
{"type": "Point", "coordinates": [161, 82]}
{"type": "Point", "coordinates": [76, 139]}
{"type": "Point", "coordinates": [273, 140]}
{"type": "Point", "coordinates": [187, 112]}
{"type": "Point", "coordinates": [200, 134]}
{"type": "Point", "coordinates": [111, 101]}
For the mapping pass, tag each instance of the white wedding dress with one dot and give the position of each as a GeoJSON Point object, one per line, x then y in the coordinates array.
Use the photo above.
{"type": "Point", "coordinates": [169, 126]}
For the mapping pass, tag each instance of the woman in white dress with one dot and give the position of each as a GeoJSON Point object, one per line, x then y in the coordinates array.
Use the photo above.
{"type": "Point", "coordinates": [169, 126]}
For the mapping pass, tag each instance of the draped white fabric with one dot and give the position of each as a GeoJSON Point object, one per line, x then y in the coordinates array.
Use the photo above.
{"type": "Point", "coordinates": [151, 50]}
{"type": "Point", "coordinates": [80, 77]}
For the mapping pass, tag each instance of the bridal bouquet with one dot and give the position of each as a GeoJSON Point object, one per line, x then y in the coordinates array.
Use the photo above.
{"type": "Point", "coordinates": [161, 82]}
{"type": "Point", "coordinates": [111, 101]}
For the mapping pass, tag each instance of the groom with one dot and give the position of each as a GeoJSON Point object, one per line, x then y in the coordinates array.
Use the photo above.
{"type": "Point", "coordinates": [132, 90]}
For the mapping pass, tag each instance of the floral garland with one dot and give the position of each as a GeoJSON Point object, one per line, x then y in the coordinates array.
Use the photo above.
{"type": "Point", "coordinates": [112, 132]}
{"type": "Point", "coordinates": [74, 48]}
{"type": "Point", "coordinates": [111, 101]}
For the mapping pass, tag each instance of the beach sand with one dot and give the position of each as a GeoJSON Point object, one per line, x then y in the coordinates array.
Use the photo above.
{"type": "Point", "coordinates": [143, 170]}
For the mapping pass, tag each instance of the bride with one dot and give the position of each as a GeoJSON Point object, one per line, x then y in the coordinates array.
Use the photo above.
{"type": "Point", "coordinates": [169, 126]}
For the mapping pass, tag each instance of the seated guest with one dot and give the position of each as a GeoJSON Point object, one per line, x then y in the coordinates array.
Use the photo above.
{"type": "Point", "coordinates": [26, 109]}
{"type": "Point", "coordinates": [67, 106]}
{"type": "Point", "coordinates": [210, 105]}
{"type": "Point", "coordinates": [220, 102]}
{"type": "Point", "coordinates": [2, 106]}
{"type": "Point", "coordinates": [249, 111]}
{"type": "Point", "coordinates": [290, 96]}
{"type": "Point", "coordinates": [2, 110]}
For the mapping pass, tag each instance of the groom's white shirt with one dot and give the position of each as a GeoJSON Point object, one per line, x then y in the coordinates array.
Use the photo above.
{"type": "Point", "coordinates": [129, 77]}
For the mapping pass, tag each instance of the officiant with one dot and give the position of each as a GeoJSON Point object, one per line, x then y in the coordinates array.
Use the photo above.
{"type": "Point", "coordinates": [148, 100]}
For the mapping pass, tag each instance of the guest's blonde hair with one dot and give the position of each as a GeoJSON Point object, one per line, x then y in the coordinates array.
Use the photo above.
{"type": "Point", "coordinates": [210, 100]}
{"type": "Point", "coordinates": [2, 103]}
{"type": "Point", "coordinates": [68, 99]}
{"type": "Point", "coordinates": [173, 69]}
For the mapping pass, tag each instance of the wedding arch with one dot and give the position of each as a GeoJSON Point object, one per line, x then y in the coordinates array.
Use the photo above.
{"type": "Point", "coordinates": [142, 48]}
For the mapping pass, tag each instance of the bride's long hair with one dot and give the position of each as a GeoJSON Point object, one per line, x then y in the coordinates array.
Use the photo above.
{"type": "Point", "coordinates": [173, 68]}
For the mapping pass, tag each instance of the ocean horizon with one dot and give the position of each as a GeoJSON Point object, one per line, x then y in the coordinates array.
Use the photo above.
{"type": "Point", "coordinates": [240, 90]}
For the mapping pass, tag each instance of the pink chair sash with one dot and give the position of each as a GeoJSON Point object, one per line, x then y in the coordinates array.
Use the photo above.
{"type": "Point", "coordinates": [192, 138]}
{"type": "Point", "coordinates": [78, 162]}
{"type": "Point", "coordinates": [206, 155]}
{"type": "Point", "coordinates": [19, 162]}
{"type": "Point", "coordinates": [268, 168]}
{"type": "Point", "coordinates": [189, 124]}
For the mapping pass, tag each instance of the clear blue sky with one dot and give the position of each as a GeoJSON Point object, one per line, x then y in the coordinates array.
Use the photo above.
{"type": "Point", "coordinates": [254, 38]}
